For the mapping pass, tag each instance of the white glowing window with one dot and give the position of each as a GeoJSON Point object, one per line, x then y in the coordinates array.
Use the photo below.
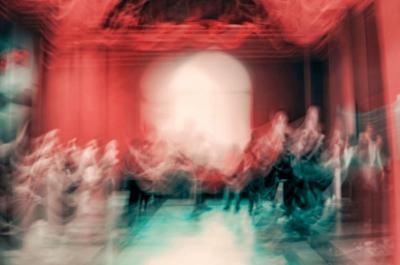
{"type": "Point", "coordinates": [201, 104]}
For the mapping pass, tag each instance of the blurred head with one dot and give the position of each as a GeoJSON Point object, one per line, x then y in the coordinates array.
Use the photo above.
{"type": "Point", "coordinates": [89, 153]}
{"type": "Point", "coordinates": [50, 141]}
{"type": "Point", "coordinates": [379, 140]}
{"type": "Point", "coordinates": [369, 130]}
{"type": "Point", "coordinates": [279, 122]}
{"type": "Point", "coordinates": [111, 145]}
{"type": "Point", "coordinates": [336, 136]}
{"type": "Point", "coordinates": [312, 117]}
{"type": "Point", "coordinates": [51, 136]}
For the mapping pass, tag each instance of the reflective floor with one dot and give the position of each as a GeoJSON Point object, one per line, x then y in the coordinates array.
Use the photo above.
{"type": "Point", "coordinates": [171, 233]}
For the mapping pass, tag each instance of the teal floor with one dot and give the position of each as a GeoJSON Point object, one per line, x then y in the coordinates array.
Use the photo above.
{"type": "Point", "coordinates": [174, 235]}
{"type": "Point", "coordinates": [171, 234]}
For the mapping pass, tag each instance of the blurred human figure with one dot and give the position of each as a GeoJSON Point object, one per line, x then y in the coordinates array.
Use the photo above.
{"type": "Point", "coordinates": [308, 139]}
{"type": "Point", "coordinates": [55, 180]}
{"type": "Point", "coordinates": [232, 191]}
{"type": "Point", "coordinates": [91, 211]}
{"type": "Point", "coordinates": [367, 154]}
{"type": "Point", "coordinates": [240, 182]}
{"type": "Point", "coordinates": [254, 173]}
{"type": "Point", "coordinates": [71, 181]}
{"type": "Point", "coordinates": [311, 174]}
{"type": "Point", "coordinates": [108, 164]}
{"type": "Point", "coordinates": [11, 157]}
{"type": "Point", "coordinates": [282, 171]}
{"type": "Point", "coordinates": [274, 146]}
{"type": "Point", "coordinates": [369, 172]}
{"type": "Point", "coordinates": [379, 160]}
{"type": "Point", "coordinates": [335, 148]}
{"type": "Point", "coordinates": [200, 175]}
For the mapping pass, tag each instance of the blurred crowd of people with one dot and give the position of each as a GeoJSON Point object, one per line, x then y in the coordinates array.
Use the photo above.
{"type": "Point", "coordinates": [310, 167]}
{"type": "Point", "coordinates": [45, 179]}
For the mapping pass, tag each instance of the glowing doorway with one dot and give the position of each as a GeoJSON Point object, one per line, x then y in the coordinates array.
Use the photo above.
{"type": "Point", "coordinates": [201, 105]}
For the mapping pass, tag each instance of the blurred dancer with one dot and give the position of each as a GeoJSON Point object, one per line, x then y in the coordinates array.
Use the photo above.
{"type": "Point", "coordinates": [273, 147]}
{"type": "Point", "coordinates": [370, 170]}
{"type": "Point", "coordinates": [144, 172]}
{"type": "Point", "coordinates": [129, 172]}
{"type": "Point", "coordinates": [232, 161]}
{"type": "Point", "coordinates": [108, 164]}
{"type": "Point", "coordinates": [32, 191]}
{"type": "Point", "coordinates": [379, 161]}
{"type": "Point", "coordinates": [91, 200]}
{"type": "Point", "coordinates": [334, 153]}
{"type": "Point", "coordinates": [10, 159]}
{"type": "Point", "coordinates": [201, 174]}
{"type": "Point", "coordinates": [54, 192]}
{"type": "Point", "coordinates": [255, 171]}
{"type": "Point", "coordinates": [311, 177]}
{"type": "Point", "coordinates": [240, 181]}
{"type": "Point", "coordinates": [71, 182]}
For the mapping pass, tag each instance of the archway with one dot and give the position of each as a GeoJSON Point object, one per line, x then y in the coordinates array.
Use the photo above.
{"type": "Point", "coordinates": [201, 105]}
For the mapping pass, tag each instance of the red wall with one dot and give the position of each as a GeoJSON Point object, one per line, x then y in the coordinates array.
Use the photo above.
{"type": "Point", "coordinates": [389, 38]}
{"type": "Point", "coordinates": [94, 93]}
{"type": "Point", "coordinates": [277, 86]}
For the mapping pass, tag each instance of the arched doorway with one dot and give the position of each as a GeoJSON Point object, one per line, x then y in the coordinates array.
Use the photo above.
{"type": "Point", "coordinates": [200, 104]}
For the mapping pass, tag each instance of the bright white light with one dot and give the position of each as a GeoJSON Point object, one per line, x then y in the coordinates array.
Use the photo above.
{"type": "Point", "coordinates": [201, 104]}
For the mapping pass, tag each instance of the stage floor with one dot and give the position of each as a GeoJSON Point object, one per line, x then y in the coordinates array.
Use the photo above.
{"type": "Point", "coordinates": [172, 234]}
